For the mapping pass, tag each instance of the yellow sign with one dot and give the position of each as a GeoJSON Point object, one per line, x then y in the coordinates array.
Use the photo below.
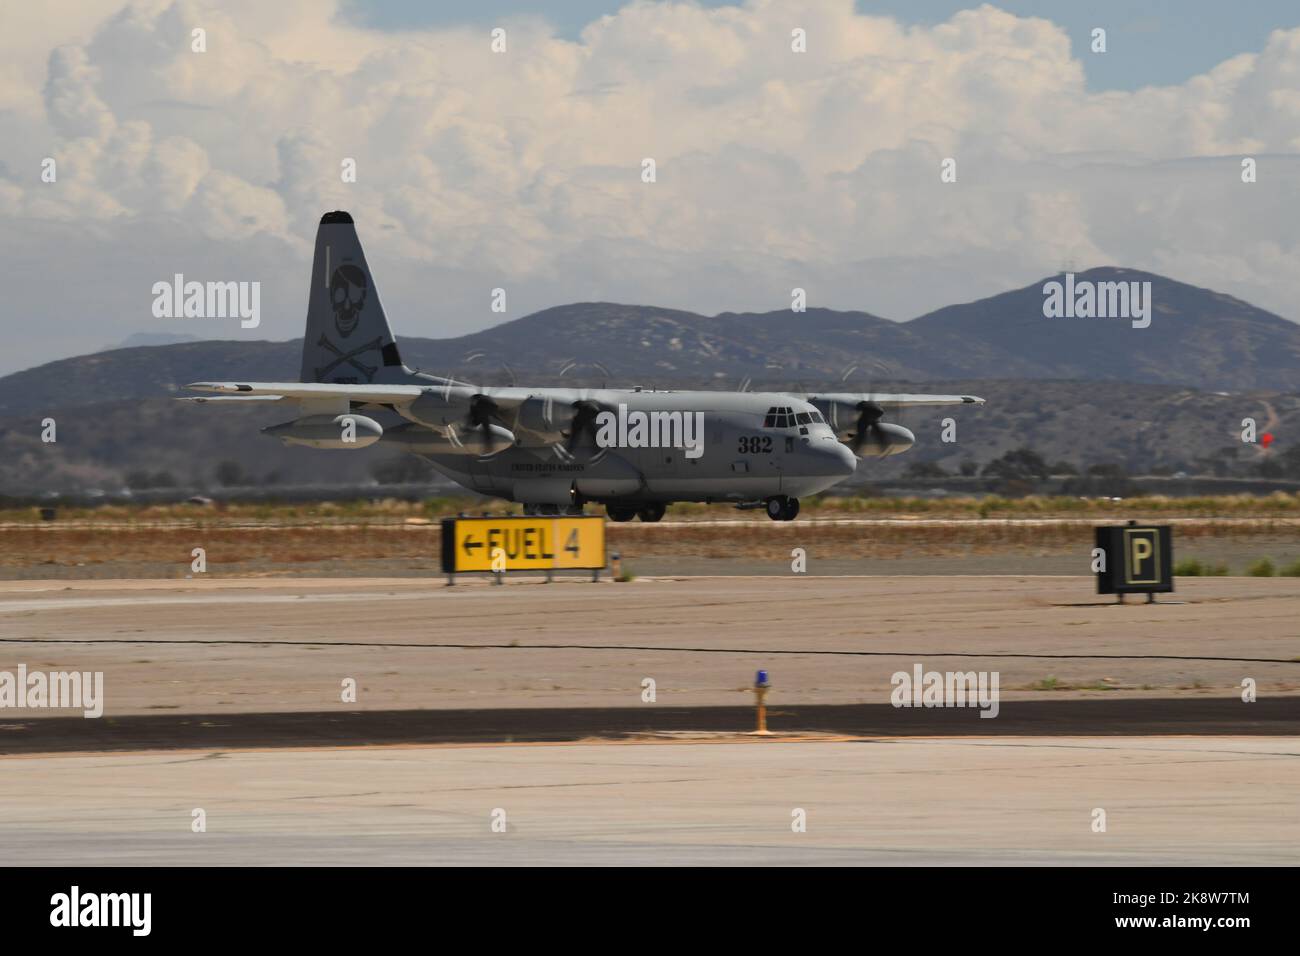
{"type": "Point", "coordinates": [523, 544]}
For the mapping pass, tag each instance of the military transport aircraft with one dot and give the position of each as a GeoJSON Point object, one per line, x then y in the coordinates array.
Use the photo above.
{"type": "Point", "coordinates": [555, 449]}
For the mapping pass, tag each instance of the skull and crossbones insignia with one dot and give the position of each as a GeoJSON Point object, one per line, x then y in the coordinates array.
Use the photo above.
{"type": "Point", "coordinates": [348, 290]}
{"type": "Point", "coordinates": [350, 357]}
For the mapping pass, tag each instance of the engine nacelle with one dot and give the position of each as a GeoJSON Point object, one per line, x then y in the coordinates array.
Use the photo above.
{"type": "Point", "coordinates": [427, 441]}
{"type": "Point", "coordinates": [884, 439]}
{"type": "Point", "coordinates": [545, 420]}
{"type": "Point", "coordinates": [349, 430]}
{"type": "Point", "coordinates": [441, 407]}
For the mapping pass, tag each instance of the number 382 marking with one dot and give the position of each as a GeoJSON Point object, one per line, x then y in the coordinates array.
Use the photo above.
{"type": "Point", "coordinates": [755, 444]}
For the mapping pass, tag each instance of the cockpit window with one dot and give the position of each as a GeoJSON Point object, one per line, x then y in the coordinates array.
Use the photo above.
{"type": "Point", "coordinates": [786, 417]}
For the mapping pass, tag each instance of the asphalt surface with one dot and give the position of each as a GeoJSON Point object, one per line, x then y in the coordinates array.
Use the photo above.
{"type": "Point", "coordinates": [970, 801]}
{"type": "Point", "coordinates": [1130, 717]}
{"type": "Point", "coordinates": [230, 647]}
{"type": "Point", "coordinates": [224, 696]}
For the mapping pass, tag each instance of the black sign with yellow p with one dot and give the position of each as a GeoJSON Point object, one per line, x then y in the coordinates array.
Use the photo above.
{"type": "Point", "coordinates": [1136, 559]}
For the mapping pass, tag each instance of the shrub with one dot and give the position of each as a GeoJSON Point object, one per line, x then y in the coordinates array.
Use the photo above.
{"type": "Point", "coordinates": [1263, 568]}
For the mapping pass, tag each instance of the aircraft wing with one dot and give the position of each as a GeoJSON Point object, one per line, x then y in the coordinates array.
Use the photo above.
{"type": "Point", "coordinates": [894, 399]}
{"type": "Point", "coordinates": [373, 394]}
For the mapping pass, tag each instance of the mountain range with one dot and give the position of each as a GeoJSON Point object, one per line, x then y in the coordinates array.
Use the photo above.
{"type": "Point", "coordinates": [1042, 372]}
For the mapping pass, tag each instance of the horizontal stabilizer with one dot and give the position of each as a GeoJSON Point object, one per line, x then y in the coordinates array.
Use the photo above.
{"type": "Point", "coordinates": [376, 394]}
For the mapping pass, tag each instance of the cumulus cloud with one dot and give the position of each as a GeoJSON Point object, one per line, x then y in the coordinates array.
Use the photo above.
{"type": "Point", "coordinates": [522, 170]}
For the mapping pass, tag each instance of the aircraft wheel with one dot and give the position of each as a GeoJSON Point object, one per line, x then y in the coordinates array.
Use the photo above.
{"type": "Point", "coordinates": [616, 513]}
{"type": "Point", "coordinates": [652, 512]}
{"type": "Point", "coordinates": [791, 509]}
{"type": "Point", "coordinates": [776, 508]}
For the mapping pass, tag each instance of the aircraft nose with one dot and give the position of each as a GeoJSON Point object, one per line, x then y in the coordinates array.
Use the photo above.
{"type": "Point", "coordinates": [839, 460]}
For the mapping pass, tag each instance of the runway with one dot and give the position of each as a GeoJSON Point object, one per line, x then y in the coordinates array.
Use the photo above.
{"type": "Point", "coordinates": [222, 647]}
{"type": "Point", "coordinates": [1226, 801]}
{"type": "Point", "coordinates": [224, 695]}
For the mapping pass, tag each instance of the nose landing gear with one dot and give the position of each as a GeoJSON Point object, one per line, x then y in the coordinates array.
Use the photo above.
{"type": "Point", "coordinates": [782, 508]}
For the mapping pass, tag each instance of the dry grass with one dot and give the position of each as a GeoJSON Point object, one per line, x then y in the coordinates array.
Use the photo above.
{"type": "Point", "coordinates": [27, 547]}
{"type": "Point", "coordinates": [389, 530]}
{"type": "Point", "coordinates": [1279, 504]}
{"type": "Point", "coordinates": [37, 546]}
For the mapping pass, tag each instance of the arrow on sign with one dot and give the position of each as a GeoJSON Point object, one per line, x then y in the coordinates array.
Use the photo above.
{"type": "Point", "coordinates": [470, 545]}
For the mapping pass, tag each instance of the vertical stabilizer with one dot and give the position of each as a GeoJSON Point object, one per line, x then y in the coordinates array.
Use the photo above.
{"type": "Point", "coordinates": [347, 339]}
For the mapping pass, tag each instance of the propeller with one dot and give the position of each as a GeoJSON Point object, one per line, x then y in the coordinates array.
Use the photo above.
{"type": "Point", "coordinates": [869, 430]}
{"type": "Point", "coordinates": [483, 414]}
{"type": "Point", "coordinates": [867, 427]}
{"type": "Point", "coordinates": [582, 424]}
{"type": "Point", "coordinates": [884, 438]}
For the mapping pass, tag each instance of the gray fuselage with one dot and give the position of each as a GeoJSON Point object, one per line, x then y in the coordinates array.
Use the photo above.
{"type": "Point", "coordinates": [742, 452]}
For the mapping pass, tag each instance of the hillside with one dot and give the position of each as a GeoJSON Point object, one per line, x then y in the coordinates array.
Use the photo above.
{"type": "Point", "coordinates": [1157, 409]}
{"type": "Point", "coordinates": [1197, 337]}
{"type": "Point", "coordinates": [1144, 428]}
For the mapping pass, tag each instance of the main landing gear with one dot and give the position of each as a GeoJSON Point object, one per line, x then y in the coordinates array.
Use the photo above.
{"type": "Point", "coordinates": [782, 508]}
{"type": "Point", "coordinates": [549, 510]}
{"type": "Point", "coordinates": [652, 512]}
{"type": "Point", "coordinates": [647, 512]}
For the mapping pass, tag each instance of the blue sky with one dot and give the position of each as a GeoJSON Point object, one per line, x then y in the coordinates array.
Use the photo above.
{"type": "Point", "coordinates": [1150, 42]}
